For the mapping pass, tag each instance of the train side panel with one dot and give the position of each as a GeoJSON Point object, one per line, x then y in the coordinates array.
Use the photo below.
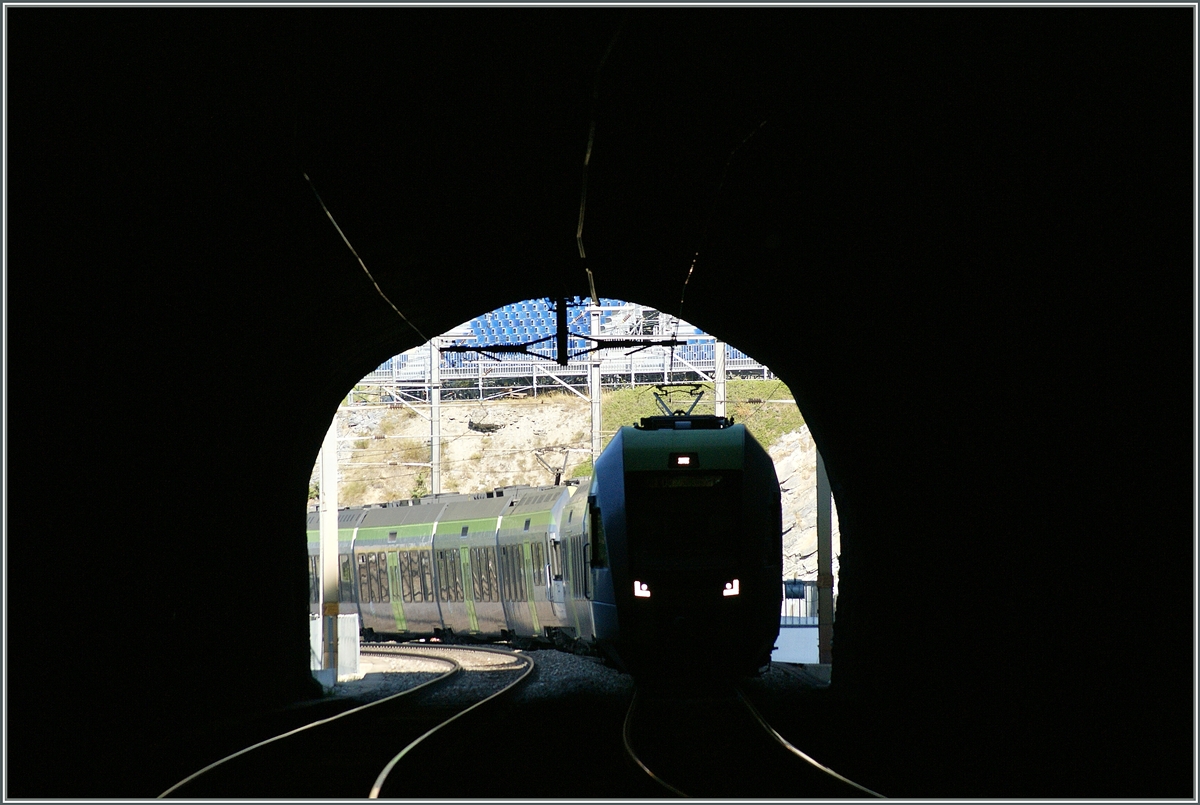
{"type": "Point", "coordinates": [571, 591]}
{"type": "Point", "coordinates": [464, 554]}
{"type": "Point", "coordinates": [394, 575]}
{"type": "Point", "coordinates": [348, 520]}
{"type": "Point", "coordinates": [535, 520]}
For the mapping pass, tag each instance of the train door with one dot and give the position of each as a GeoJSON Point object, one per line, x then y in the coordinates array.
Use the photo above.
{"type": "Point", "coordinates": [515, 588]}
{"type": "Point", "coordinates": [542, 608]}
{"type": "Point", "coordinates": [557, 589]}
{"type": "Point", "coordinates": [450, 590]}
{"type": "Point", "coordinates": [417, 591]}
{"type": "Point", "coordinates": [373, 590]}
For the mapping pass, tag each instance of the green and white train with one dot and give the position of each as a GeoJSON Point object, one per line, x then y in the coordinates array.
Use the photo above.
{"type": "Point", "coordinates": [671, 554]}
{"type": "Point", "coordinates": [501, 565]}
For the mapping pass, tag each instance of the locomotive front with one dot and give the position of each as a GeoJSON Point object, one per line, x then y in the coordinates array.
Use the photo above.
{"type": "Point", "coordinates": [690, 520]}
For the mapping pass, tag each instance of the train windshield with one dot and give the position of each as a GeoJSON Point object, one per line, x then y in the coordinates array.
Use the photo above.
{"type": "Point", "coordinates": [682, 519]}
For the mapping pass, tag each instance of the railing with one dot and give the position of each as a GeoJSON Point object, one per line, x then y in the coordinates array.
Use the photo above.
{"type": "Point", "coordinates": [414, 366]}
{"type": "Point", "coordinates": [799, 603]}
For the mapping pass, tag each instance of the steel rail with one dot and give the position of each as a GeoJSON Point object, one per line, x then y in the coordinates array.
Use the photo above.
{"type": "Point", "coordinates": [794, 750]}
{"type": "Point", "coordinates": [383, 775]}
{"type": "Point", "coordinates": [632, 754]}
{"type": "Point", "coordinates": [454, 669]}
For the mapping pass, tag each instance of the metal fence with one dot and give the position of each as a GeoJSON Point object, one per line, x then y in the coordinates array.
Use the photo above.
{"type": "Point", "coordinates": [799, 603]}
{"type": "Point", "coordinates": [655, 364]}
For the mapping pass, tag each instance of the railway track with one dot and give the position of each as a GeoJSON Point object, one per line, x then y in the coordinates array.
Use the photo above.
{"type": "Point", "coordinates": [717, 745]}
{"type": "Point", "coordinates": [353, 753]}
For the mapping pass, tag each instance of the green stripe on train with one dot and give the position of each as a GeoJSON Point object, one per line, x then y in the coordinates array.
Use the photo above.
{"type": "Point", "coordinates": [344, 535]}
{"type": "Point", "coordinates": [393, 566]}
{"type": "Point", "coordinates": [380, 533]}
{"type": "Point", "coordinates": [476, 525]}
{"type": "Point", "coordinates": [537, 518]}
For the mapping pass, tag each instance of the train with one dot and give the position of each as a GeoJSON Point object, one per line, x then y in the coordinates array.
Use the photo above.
{"type": "Point", "coordinates": [668, 557]}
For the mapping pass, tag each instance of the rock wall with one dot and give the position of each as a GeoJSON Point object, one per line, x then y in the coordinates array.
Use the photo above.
{"type": "Point", "coordinates": [795, 457]}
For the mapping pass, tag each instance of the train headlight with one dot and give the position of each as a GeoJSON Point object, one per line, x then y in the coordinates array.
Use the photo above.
{"type": "Point", "coordinates": [689, 460]}
{"type": "Point", "coordinates": [641, 590]}
{"type": "Point", "coordinates": [731, 588]}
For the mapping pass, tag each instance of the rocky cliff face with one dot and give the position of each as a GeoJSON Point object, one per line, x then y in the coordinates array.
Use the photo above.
{"type": "Point", "coordinates": [795, 457]}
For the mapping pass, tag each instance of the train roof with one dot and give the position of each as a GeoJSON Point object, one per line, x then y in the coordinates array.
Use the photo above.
{"type": "Point", "coordinates": [347, 518]}
{"type": "Point", "coordinates": [450, 507]}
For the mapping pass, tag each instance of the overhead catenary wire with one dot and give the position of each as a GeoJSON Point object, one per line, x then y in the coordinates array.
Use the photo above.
{"type": "Point", "coordinates": [367, 271]}
{"type": "Point", "coordinates": [587, 152]}
{"type": "Point", "coordinates": [704, 228]}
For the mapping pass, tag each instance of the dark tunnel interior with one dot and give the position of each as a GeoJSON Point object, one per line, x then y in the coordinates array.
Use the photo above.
{"type": "Point", "coordinates": [962, 236]}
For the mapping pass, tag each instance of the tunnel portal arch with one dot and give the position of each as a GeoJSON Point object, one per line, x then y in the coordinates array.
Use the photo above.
{"type": "Point", "coordinates": [381, 460]}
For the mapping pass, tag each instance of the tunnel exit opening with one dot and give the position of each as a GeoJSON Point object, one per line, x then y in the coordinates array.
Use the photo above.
{"type": "Point", "coordinates": [460, 416]}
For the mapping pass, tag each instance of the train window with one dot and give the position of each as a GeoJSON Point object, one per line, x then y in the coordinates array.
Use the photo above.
{"type": "Point", "coordinates": [378, 576]}
{"type": "Point", "coordinates": [527, 525]}
{"type": "Point", "coordinates": [373, 577]}
{"type": "Point", "coordinates": [686, 518]}
{"type": "Point", "coordinates": [580, 565]}
{"type": "Point", "coordinates": [505, 575]}
{"type": "Point", "coordinates": [443, 575]}
{"type": "Point", "coordinates": [487, 569]}
{"type": "Point", "coordinates": [476, 575]}
{"type": "Point", "coordinates": [573, 564]}
{"type": "Point", "coordinates": [492, 581]}
{"type": "Point", "coordinates": [586, 575]}
{"type": "Point", "coordinates": [381, 578]}
{"type": "Point", "coordinates": [514, 564]}
{"type": "Point", "coordinates": [445, 585]}
{"type": "Point", "coordinates": [391, 536]}
{"type": "Point", "coordinates": [509, 569]}
{"type": "Point", "coordinates": [539, 565]}
{"type": "Point", "coordinates": [464, 530]}
{"type": "Point", "coordinates": [417, 585]}
{"type": "Point", "coordinates": [364, 579]}
{"type": "Point", "coordinates": [426, 576]}
{"type": "Point", "coordinates": [567, 566]}
{"type": "Point", "coordinates": [599, 556]}
{"type": "Point", "coordinates": [483, 574]}
{"type": "Point", "coordinates": [556, 560]}
{"type": "Point", "coordinates": [513, 570]}
{"type": "Point", "coordinates": [393, 572]}
{"type": "Point", "coordinates": [404, 560]}
{"type": "Point", "coordinates": [313, 580]}
{"type": "Point", "coordinates": [450, 587]}
{"type": "Point", "coordinates": [459, 588]}
{"type": "Point", "coordinates": [346, 581]}
{"type": "Point", "coordinates": [522, 593]}
{"type": "Point", "coordinates": [584, 572]}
